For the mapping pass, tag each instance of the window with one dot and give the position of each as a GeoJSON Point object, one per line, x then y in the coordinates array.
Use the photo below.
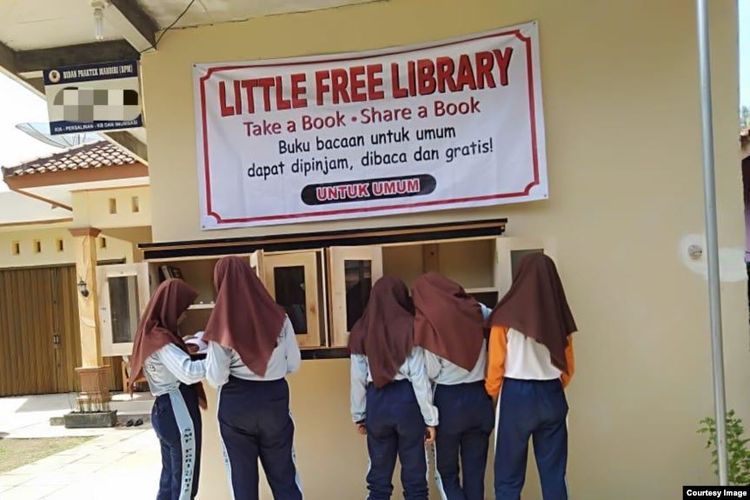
{"type": "Point", "coordinates": [60, 245]}
{"type": "Point", "coordinates": [112, 206]}
{"type": "Point", "coordinates": [124, 307]}
{"type": "Point", "coordinates": [15, 248]}
{"type": "Point", "coordinates": [123, 292]}
{"type": "Point", "coordinates": [37, 246]}
{"type": "Point", "coordinates": [135, 205]}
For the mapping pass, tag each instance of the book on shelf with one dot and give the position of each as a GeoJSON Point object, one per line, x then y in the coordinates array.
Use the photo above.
{"type": "Point", "coordinates": [171, 272]}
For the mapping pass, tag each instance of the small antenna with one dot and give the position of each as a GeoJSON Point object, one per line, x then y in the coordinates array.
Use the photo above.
{"type": "Point", "coordinates": [40, 131]}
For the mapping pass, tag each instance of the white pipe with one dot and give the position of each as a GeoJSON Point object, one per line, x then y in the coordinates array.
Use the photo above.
{"type": "Point", "coordinates": [712, 239]}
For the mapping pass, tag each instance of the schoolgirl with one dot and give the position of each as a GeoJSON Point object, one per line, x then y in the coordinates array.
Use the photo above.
{"type": "Point", "coordinates": [251, 349]}
{"type": "Point", "coordinates": [173, 377]}
{"type": "Point", "coordinates": [530, 363]}
{"type": "Point", "coordinates": [449, 325]}
{"type": "Point", "coordinates": [391, 399]}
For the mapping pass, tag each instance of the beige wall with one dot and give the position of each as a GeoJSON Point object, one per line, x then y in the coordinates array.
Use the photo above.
{"type": "Point", "coordinates": [132, 207]}
{"type": "Point", "coordinates": [48, 238]}
{"type": "Point", "coordinates": [121, 231]}
{"type": "Point", "coordinates": [623, 142]}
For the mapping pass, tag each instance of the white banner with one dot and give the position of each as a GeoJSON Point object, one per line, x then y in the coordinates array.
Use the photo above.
{"type": "Point", "coordinates": [451, 124]}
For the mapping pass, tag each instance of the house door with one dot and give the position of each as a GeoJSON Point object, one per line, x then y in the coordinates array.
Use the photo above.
{"type": "Point", "coordinates": [39, 332]}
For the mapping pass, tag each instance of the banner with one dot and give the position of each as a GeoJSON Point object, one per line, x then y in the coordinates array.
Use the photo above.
{"type": "Point", "coordinates": [93, 97]}
{"type": "Point", "coordinates": [450, 124]}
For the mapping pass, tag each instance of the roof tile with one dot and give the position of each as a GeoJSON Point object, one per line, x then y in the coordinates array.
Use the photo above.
{"type": "Point", "coordinates": [95, 155]}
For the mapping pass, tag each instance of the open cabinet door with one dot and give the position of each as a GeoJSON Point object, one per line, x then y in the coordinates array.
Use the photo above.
{"type": "Point", "coordinates": [352, 272]}
{"type": "Point", "coordinates": [509, 252]}
{"type": "Point", "coordinates": [293, 280]}
{"type": "Point", "coordinates": [256, 263]}
{"type": "Point", "coordinates": [124, 291]}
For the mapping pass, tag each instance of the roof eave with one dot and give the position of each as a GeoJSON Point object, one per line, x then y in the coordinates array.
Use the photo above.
{"type": "Point", "coordinates": [77, 176]}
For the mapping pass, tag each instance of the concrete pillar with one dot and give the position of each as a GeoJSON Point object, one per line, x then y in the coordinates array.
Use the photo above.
{"type": "Point", "coordinates": [93, 374]}
{"type": "Point", "coordinates": [88, 307]}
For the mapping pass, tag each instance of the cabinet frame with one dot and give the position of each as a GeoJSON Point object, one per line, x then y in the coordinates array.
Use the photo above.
{"type": "Point", "coordinates": [308, 260]}
{"type": "Point", "coordinates": [337, 257]}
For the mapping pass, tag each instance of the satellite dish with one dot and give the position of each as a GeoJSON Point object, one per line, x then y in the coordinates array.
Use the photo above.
{"type": "Point", "coordinates": [41, 132]}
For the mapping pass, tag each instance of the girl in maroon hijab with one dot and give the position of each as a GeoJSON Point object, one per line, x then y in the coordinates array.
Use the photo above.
{"type": "Point", "coordinates": [251, 349]}
{"type": "Point", "coordinates": [161, 355]}
{"type": "Point", "coordinates": [531, 359]}
{"type": "Point", "coordinates": [449, 325]}
{"type": "Point", "coordinates": [391, 398]}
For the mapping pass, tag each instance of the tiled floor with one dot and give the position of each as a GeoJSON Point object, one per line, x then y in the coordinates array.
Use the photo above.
{"type": "Point", "coordinates": [124, 464]}
{"type": "Point", "coordinates": [119, 463]}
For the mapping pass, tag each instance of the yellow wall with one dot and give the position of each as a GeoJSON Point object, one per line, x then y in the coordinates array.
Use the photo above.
{"type": "Point", "coordinates": [116, 248]}
{"type": "Point", "coordinates": [93, 208]}
{"type": "Point", "coordinates": [621, 110]}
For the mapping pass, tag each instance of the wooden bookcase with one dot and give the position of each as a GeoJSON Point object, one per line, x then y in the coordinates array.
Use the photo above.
{"type": "Point", "coordinates": [324, 289]}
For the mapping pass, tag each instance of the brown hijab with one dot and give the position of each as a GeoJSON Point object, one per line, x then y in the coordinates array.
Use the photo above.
{"type": "Point", "coordinates": [159, 326]}
{"type": "Point", "coordinates": [536, 306]}
{"type": "Point", "coordinates": [448, 321]}
{"type": "Point", "coordinates": [245, 317]}
{"type": "Point", "coordinates": [385, 332]}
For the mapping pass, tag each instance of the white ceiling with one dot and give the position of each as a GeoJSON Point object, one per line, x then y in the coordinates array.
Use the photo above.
{"type": "Point", "coordinates": [16, 208]}
{"type": "Point", "coordinates": [34, 24]}
{"type": "Point", "coordinates": [221, 11]}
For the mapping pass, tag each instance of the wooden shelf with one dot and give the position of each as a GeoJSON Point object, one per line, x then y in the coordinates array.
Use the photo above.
{"type": "Point", "coordinates": [324, 353]}
{"type": "Point", "coordinates": [487, 289]}
{"type": "Point", "coordinates": [198, 307]}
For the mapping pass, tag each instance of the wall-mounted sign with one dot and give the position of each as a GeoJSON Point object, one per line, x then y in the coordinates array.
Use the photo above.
{"type": "Point", "coordinates": [93, 97]}
{"type": "Point", "coordinates": [450, 124]}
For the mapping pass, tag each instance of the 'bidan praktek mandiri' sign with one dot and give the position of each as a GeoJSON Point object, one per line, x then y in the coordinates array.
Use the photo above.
{"type": "Point", "coordinates": [93, 97]}
{"type": "Point", "coordinates": [446, 125]}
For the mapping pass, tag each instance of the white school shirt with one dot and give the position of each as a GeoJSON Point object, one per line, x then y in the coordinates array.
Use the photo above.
{"type": "Point", "coordinates": [412, 370]}
{"type": "Point", "coordinates": [443, 372]}
{"type": "Point", "coordinates": [168, 367]}
{"type": "Point", "coordinates": [221, 362]}
{"type": "Point", "coordinates": [527, 359]}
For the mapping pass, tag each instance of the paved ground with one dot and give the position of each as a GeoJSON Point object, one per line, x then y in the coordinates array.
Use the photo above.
{"type": "Point", "coordinates": [121, 463]}
{"type": "Point", "coordinates": [29, 416]}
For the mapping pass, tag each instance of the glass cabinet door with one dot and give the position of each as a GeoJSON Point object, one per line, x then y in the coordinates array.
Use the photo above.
{"type": "Point", "coordinates": [353, 271]}
{"type": "Point", "coordinates": [293, 280]}
{"type": "Point", "coordinates": [256, 263]}
{"type": "Point", "coordinates": [124, 291]}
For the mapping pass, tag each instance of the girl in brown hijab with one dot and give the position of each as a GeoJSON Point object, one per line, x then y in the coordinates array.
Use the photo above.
{"type": "Point", "coordinates": [251, 349]}
{"type": "Point", "coordinates": [161, 355]}
{"type": "Point", "coordinates": [531, 359]}
{"type": "Point", "coordinates": [391, 399]}
{"type": "Point", "coordinates": [449, 325]}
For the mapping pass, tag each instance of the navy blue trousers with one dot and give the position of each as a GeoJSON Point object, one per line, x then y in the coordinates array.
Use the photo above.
{"type": "Point", "coordinates": [533, 409]}
{"type": "Point", "coordinates": [395, 427]}
{"type": "Point", "coordinates": [466, 422]}
{"type": "Point", "coordinates": [255, 423]}
{"type": "Point", "coordinates": [176, 419]}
